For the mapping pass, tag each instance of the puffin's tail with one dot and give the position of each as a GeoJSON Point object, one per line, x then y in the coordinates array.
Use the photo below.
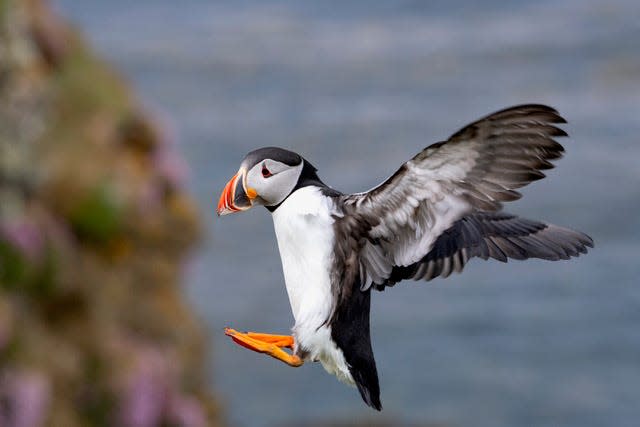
{"type": "Point", "coordinates": [350, 331]}
{"type": "Point", "coordinates": [366, 379]}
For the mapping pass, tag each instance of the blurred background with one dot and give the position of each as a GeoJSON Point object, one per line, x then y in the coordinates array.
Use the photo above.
{"type": "Point", "coordinates": [116, 277]}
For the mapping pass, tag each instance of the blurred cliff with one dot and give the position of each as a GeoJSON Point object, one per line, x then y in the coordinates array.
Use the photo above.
{"type": "Point", "coordinates": [94, 232]}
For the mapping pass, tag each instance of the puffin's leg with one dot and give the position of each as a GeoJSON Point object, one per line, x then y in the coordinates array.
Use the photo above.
{"type": "Point", "coordinates": [270, 348]}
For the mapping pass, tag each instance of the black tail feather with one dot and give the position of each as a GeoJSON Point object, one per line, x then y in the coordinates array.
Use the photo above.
{"type": "Point", "coordinates": [350, 331]}
{"type": "Point", "coordinates": [367, 382]}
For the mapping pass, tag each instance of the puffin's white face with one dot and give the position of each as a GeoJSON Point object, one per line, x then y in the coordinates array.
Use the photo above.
{"type": "Point", "coordinates": [266, 177]}
{"type": "Point", "coordinates": [273, 181]}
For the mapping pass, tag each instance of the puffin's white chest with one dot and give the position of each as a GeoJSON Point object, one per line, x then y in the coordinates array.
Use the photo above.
{"type": "Point", "coordinates": [304, 230]}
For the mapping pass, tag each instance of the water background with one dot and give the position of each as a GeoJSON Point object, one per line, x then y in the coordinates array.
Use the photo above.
{"type": "Point", "coordinates": [357, 88]}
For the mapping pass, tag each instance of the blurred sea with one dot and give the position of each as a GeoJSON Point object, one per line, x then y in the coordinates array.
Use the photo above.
{"type": "Point", "coordinates": [357, 88]}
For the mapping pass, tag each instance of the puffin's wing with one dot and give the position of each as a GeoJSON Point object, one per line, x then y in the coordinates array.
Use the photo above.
{"type": "Point", "coordinates": [496, 235]}
{"type": "Point", "coordinates": [476, 169]}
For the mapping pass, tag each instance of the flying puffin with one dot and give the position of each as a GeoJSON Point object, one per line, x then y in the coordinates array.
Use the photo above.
{"type": "Point", "coordinates": [440, 209]}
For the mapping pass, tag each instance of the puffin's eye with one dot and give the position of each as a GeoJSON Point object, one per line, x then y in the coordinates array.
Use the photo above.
{"type": "Point", "coordinates": [265, 172]}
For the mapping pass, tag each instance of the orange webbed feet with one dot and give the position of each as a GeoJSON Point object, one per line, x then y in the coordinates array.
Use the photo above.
{"type": "Point", "coordinates": [267, 344]}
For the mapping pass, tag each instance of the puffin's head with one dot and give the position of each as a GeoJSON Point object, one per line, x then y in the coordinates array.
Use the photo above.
{"type": "Point", "coordinates": [266, 177]}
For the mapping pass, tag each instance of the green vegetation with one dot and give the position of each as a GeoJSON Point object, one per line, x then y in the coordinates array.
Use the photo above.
{"type": "Point", "coordinates": [97, 218]}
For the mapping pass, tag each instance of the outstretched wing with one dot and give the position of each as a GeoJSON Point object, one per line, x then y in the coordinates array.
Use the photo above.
{"type": "Point", "coordinates": [496, 235]}
{"type": "Point", "coordinates": [476, 169]}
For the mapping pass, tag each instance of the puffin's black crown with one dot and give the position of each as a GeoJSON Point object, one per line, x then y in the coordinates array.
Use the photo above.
{"type": "Point", "coordinates": [274, 153]}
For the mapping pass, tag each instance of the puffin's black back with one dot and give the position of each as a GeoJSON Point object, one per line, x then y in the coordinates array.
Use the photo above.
{"type": "Point", "coordinates": [350, 331]}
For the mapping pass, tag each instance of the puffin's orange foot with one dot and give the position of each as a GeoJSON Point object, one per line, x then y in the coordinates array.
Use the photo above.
{"type": "Point", "coordinates": [277, 340]}
{"type": "Point", "coordinates": [267, 344]}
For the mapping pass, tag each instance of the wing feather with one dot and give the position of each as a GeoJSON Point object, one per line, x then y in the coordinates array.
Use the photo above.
{"type": "Point", "coordinates": [476, 169]}
{"type": "Point", "coordinates": [495, 235]}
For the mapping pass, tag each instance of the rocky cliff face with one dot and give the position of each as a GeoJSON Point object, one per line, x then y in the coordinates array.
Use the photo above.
{"type": "Point", "coordinates": [94, 230]}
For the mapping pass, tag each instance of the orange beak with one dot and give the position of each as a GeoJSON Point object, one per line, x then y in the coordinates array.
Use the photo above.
{"type": "Point", "coordinates": [234, 198]}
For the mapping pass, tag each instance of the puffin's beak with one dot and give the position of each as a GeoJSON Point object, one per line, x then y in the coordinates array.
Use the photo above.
{"type": "Point", "coordinates": [234, 197]}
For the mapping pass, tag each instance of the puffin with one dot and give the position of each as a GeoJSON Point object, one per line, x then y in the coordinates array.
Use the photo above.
{"type": "Point", "coordinates": [440, 209]}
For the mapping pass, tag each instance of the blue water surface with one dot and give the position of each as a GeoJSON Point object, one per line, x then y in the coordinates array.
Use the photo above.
{"type": "Point", "coordinates": [357, 88]}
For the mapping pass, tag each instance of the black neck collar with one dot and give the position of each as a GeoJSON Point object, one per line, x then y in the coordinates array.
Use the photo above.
{"type": "Point", "coordinates": [308, 177]}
